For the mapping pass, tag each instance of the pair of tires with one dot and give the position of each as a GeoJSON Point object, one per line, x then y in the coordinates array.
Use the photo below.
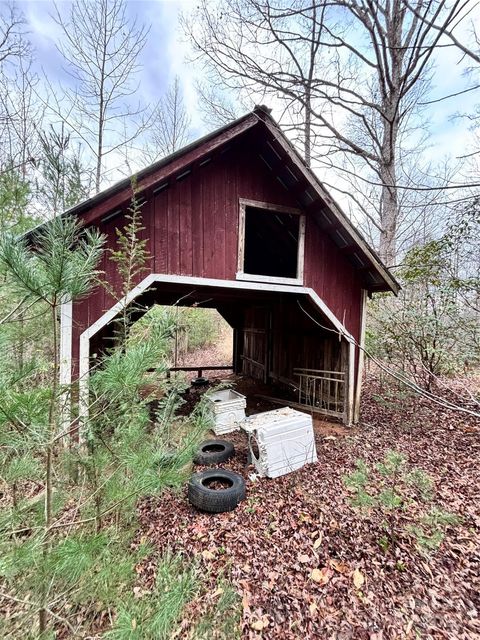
{"type": "Point", "coordinates": [215, 490]}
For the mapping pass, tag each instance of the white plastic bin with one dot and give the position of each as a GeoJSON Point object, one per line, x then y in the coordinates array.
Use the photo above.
{"type": "Point", "coordinates": [228, 408]}
{"type": "Point", "coordinates": [280, 441]}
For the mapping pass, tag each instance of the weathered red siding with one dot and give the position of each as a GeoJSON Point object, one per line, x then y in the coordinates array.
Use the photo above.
{"type": "Point", "coordinates": [192, 225]}
{"type": "Point", "coordinates": [328, 272]}
{"type": "Point", "coordinates": [192, 230]}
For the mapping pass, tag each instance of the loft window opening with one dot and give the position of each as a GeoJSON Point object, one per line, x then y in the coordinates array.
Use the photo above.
{"type": "Point", "coordinates": [271, 243]}
{"type": "Point", "coordinates": [272, 247]}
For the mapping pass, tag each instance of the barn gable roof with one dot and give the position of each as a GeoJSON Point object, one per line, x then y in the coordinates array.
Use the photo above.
{"type": "Point", "coordinates": [288, 167]}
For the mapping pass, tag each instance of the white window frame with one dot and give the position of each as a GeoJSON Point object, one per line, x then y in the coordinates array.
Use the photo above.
{"type": "Point", "coordinates": [253, 277]}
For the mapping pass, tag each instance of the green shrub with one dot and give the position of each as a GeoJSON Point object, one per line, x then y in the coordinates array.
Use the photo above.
{"type": "Point", "coordinates": [395, 493]}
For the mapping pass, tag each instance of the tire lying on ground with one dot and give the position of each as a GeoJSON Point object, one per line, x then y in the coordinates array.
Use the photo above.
{"type": "Point", "coordinates": [213, 452]}
{"type": "Point", "coordinates": [216, 490]}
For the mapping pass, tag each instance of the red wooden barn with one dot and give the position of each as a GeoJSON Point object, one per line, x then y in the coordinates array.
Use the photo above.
{"type": "Point", "coordinates": [238, 222]}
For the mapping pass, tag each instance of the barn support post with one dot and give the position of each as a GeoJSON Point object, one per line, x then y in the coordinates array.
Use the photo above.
{"type": "Point", "coordinates": [65, 369]}
{"type": "Point", "coordinates": [361, 356]}
{"type": "Point", "coordinates": [237, 349]}
{"type": "Point", "coordinates": [83, 383]}
{"type": "Point", "coordinates": [350, 409]}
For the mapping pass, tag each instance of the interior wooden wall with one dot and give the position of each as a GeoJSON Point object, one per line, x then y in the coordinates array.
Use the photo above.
{"type": "Point", "coordinates": [279, 338]}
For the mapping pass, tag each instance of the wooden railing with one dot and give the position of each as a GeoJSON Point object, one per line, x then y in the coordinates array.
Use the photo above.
{"type": "Point", "coordinates": [323, 391]}
{"type": "Point", "coordinates": [201, 369]}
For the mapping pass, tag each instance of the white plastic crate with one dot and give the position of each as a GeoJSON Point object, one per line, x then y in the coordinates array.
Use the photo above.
{"type": "Point", "coordinates": [228, 409]}
{"type": "Point", "coordinates": [280, 441]}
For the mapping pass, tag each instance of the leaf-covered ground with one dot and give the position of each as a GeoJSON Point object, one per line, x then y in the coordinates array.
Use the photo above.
{"type": "Point", "coordinates": [307, 565]}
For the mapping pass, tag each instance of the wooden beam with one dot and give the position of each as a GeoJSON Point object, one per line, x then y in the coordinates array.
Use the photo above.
{"type": "Point", "coordinates": [65, 373]}
{"type": "Point", "coordinates": [297, 405]}
{"type": "Point", "coordinates": [350, 396]}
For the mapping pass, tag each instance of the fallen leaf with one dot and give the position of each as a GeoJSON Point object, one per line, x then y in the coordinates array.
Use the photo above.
{"type": "Point", "coordinates": [304, 517]}
{"type": "Point", "coordinates": [208, 555]}
{"type": "Point", "coordinates": [259, 625]}
{"type": "Point", "coordinates": [317, 542]}
{"type": "Point", "coordinates": [321, 576]}
{"type": "Point", "coordinates": [246, 602]}
{"type": "Point", "coordinates": [358, 578]}
{"type": "Point", "coordinates": [340, 567]}
{"type": "Point", "coordinates": [419, 430]}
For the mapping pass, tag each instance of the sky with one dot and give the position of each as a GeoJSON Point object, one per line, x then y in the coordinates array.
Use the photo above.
{"type": "Point", "coordinates": [164, 57]}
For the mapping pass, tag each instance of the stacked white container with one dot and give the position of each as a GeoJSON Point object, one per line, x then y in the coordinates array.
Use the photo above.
{"type": "Point", "coordinates": [228, 409]}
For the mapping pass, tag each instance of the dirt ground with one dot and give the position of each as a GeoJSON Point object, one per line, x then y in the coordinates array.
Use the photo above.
{"type": "Point", "coordinates": [307, 565]}
{"type": "Point", "coordinates": [216, 354]}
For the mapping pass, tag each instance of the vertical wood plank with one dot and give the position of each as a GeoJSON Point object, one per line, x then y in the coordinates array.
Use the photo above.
{"type": "Point", "coordinates": [173, 232]}
{"type": "Point", "coordinates": [185, 225]}
{"type": "Point", "coordinates": [219, 220]}
{"type": "Point", "coordinates": [161, 231]}
{"type": "Point", "coordinates": [208, 197]}
{"type": "Point", "coordinates": [231, 219]}
{"type": "Point", "coordinates": [197, 221]}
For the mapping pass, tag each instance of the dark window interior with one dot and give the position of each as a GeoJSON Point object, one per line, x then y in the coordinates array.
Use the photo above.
{"type": "Point", "coordinates": [271, 243]}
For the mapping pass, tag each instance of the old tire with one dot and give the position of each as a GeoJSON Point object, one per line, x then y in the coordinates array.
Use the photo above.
{"type": "Point", "coordinates": [205, 498]}
{"type": "Point", "coordinates": [214, 451]}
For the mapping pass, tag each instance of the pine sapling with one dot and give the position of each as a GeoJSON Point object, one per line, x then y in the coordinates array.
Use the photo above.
{"type": "Point", "coordinates": [60, 265]}
{"type": "Point", "coordinates": [131, 257]}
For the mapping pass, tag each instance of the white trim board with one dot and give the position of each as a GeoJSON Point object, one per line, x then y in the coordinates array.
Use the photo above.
{"type": "Point", "coordinates": [65, 368]}
{"type": "Point", "coordinates": [351, 384]}
{"type": "Point", "coordinates": [252, 277]}
{"type": "Point", "coordinates": [361, 356]}
{"type": "Point", "coordinates": [153, 278]}
{"type": "Point", "coordinates": [66, 324]}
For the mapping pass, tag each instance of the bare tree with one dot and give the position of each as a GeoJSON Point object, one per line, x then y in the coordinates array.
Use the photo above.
{"type": "Point", "coordinates": [13, 44]}
{"type": "Point", "coordinates": [266, 52]}
{"type": "Point", "coordinates": [16, 97]}
{"type": "Point", "coordinates": [19, 142]}
{"type": "Point", "coordinates": [216, 108]}
{"type": "Point", "coordinates": [170, 123]}
{"type": "Point", "coordinates": [101, 47]}
{"type": "Point", "coordinates": [351, 72]}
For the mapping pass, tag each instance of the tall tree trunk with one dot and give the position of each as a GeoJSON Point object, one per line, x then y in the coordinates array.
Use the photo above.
{"type": "Point", "coordinates": [388, 214]}
{"type": "Point", "coordinates": [308, 127]}
{"type": "Point", "coordinates": [101, 102]}
{"type": "Point", "coordinates": [391, 87]}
